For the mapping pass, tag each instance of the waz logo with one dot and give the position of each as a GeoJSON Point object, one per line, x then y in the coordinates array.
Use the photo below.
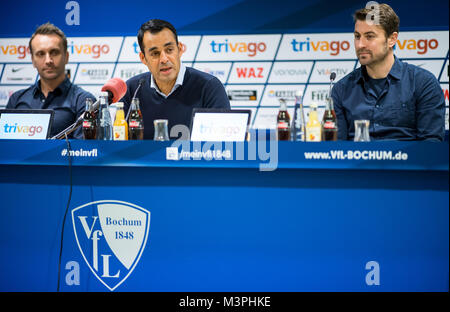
{"type": "Point", "coordinates": [111, 236]}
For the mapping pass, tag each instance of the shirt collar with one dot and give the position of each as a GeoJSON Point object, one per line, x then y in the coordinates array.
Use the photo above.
{"type": "Point", "coordinates": [61, 89]}
{"type": "Point", "coordinates": [395, 72]}
{"type": "Point", "coordinates": [178, 82]}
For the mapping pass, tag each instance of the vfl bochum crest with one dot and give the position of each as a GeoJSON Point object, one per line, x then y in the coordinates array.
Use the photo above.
{"type": "Point", "coordinates": [111, 236]}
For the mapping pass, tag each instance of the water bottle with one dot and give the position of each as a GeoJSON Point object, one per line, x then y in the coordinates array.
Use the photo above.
{"type": "Point", "coordinates": [105, 127]}
{"type": "Point", "coordinates": [298, 123]}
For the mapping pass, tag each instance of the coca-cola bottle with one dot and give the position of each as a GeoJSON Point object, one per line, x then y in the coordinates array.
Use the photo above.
{"type": "Point", "coordinates": [329, 124]}
{"type": "Point", "coordinates": [135, 122]}
{"type": "Point", "coordinates": [89, 121]}
{"type": "Point", "coordinates": [283, 122]}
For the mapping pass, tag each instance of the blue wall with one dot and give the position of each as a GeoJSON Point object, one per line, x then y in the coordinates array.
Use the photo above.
{"type": "Point", "coordinates": [103, 17]}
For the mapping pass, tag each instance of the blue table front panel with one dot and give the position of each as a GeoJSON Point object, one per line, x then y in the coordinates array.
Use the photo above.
{"type": "Point", "coordinates": [235, 229]}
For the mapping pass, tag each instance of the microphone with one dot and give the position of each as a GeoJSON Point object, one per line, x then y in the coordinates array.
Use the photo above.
{"type": "Point", "coordinates": [141, 82]}
{"type": "Point", "coordinates": [332, 77]}
{"type": "Point", "coordinates": [116, 89]}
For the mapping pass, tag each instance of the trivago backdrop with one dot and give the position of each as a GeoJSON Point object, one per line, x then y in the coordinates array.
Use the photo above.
{"type": "Point", "coordinates": [261, 62]}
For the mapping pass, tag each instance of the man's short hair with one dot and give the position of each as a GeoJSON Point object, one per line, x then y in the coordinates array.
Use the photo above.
{"type": "Point", "coordinates": [387, 18]}
{"type": "Point", "coordinates": [154, 26]}
{"type": "Point", "coordinates": [49, 29]}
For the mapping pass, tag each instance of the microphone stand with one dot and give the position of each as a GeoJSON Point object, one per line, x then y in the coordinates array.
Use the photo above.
{"type": "Point", "coordinates": [69, 129]}
{"type": "Point", "coordinates": [78, 122]}
{"type": "Point", "coordinates": [134, 96]}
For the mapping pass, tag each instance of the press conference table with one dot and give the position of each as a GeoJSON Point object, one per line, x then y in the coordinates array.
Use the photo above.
{"type": "Point", "coordinates": [360, 217]}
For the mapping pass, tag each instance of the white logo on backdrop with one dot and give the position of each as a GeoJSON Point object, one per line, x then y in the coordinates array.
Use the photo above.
{"type": "Point", "coordinates": [111, 236]}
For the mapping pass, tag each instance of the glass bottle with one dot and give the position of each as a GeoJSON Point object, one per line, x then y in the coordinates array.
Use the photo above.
{"type": "Point", "coordinates": [329, 124]}
{"type": "Point", "coordinates": [298, 123]}
{"type": "Point", "coordinates": [135, 122]}
{"type": "Point", "coordinates": [313, 127]}
{"type": "Point", "coordinates": [283, 122]}
{"type": "Point", "coordinates": [105, 128]}
{"type": "Point", "coordinates": [120, 127]}
{"type": "Point", "coordinates": [89, 121]}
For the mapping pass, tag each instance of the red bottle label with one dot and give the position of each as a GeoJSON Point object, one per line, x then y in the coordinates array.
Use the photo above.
{"type": "Point", "coordinates": [283, 125]}
{"type": "Point", "coordinates": [134, 124]}
{"type": "Point", "coordinates": [329, 125]}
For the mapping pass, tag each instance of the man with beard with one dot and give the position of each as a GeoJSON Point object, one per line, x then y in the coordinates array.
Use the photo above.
{"type": "Point", "coordinates": [48, 48]}
{"type": "Point", "coordinates": [401, 101]}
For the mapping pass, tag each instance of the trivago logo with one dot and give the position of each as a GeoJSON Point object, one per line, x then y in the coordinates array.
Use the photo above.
{"type": "Point", "coordinates": [95, 50]}
{"type": "Point", "coordinates": [334, 47]}
{"type": "Point", "coordinates": [22, 129]}
{"type": "Point", "coordinates": [249, 48]}
{"type": "Point", "coordinates": [21, 51]}
{"type": "Point", "coordinates": [421, 45]}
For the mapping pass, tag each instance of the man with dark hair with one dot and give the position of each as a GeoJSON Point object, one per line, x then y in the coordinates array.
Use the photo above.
{"type": "Point", "coordinates": [170, 90]}
{"type": "Point", "coordinates": [401, 101]}
{"type": "Point", "coordinates": [48, 47]}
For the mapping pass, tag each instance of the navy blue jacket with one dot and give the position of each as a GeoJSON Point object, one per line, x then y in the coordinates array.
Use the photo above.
{"type": "Point", "coordinates": [199, 89]}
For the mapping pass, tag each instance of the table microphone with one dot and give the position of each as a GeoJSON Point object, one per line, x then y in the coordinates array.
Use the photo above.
{"type": "Point", "coordinates": [116, 89]}
{"type": "Point", "coordinates": [141, 82]}
{"type": "Point", "coordinates": [332, 77]}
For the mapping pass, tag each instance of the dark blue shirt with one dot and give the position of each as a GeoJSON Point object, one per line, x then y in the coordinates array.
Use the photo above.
{"type": "Point", "coordinates": [68, 101]}
{"type": "Point", "coordinates": [199, 89]}
{"type": "Point", "coordinates": [408, 105]}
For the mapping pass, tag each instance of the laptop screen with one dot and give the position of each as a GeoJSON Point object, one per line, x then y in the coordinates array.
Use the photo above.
{"type": "Point", "coordinates": [220, 125]}
{"type": "Point", "coordinates": [25, 124]}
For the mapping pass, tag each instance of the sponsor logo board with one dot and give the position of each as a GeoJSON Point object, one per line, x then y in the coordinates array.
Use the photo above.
{"type": "Point", "coordinates": [250, 72]}
{"type": "Point", "coordinates": [316, 93]}
{"type": "Point", "coordinates": [273, 94]}
{"type": "Point", "coordinates": [14, 50]}
{"type": "Point", "coordinates": [316, 46]}
{"type": "Point", "coordinates": [7, 91]}
{"type": "Point", "coordinates": [266, 118]}
{"type": "Point", "coordinates": [19, 74]}
{"type": "Point", "coordinates": [126, 71]}
{"type": "Point", "coordinates": [290, 72]}
{"type": "Point", "coordinates": [238, 47]}
{"type": "Point", "coordinates": [322, 70]}
{"type": "Point", "coordinates": [433, 66]}
{"type": "Point", "coordinates": [422, 44]}
{"type": "Point", "coordinates": [219, 70]}
{"type": "Point", "coordinates": [94, 49]}
{"type": "Point", "coordinates": [94, 73]}
{"type": "Point", "coordinates": [244, 95]}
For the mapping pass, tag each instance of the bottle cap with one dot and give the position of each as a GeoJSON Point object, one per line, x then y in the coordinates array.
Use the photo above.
{"type": "Point", "coordinates": [313, 105]}
{"type": "Point", "coordinates": [104, 93]}
{"type": "Point", "coordinates": [119, 105]}
{"type": "Point", "coordinates": [299, 93]}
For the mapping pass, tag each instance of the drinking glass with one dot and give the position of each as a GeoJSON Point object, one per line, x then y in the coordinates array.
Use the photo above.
{"type": "Point", "coordinates": [362, 131]}
{"type": "Point", "coordinates": [161, 132]}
